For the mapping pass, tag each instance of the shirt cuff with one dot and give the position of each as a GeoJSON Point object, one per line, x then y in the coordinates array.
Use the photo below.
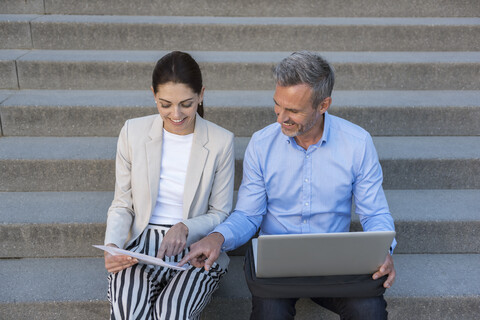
{"type": "Point", "coordinates": [227, 234]}
{"type": "Point", "coordinates": [392, 247]}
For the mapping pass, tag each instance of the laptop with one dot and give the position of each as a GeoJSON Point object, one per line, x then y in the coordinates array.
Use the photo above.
{"type": "Point", "coordinates": [320, 254]}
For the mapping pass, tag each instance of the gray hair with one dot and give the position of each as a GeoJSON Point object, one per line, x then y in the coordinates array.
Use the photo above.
{"type": "Point", "coordinates": [305, 67]}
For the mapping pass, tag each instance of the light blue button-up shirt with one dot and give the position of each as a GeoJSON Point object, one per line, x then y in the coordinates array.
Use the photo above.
{"type": "Point", "coordinates": [287, 189]}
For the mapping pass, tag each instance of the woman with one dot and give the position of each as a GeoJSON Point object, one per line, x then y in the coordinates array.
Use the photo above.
{"type": "Point", "coordinates": [174, 184]}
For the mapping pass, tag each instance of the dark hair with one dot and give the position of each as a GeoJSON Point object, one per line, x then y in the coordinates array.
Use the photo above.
{"type": "Point", "coordinates": [308, 68]}
{"type": "Point", "coordinates": [178, 67]}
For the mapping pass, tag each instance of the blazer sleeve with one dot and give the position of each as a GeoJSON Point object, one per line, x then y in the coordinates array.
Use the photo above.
{"type": "Point", "coordinates": [221, 195]}
{"type": "Point", "coordinates": [120, 214]}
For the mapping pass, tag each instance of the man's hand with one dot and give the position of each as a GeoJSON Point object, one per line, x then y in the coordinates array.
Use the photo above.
{"type": "Point", "coordinates": [386, 268]}
{"type": "Point", "coordinates": [174, 241]}
{"type": "Point", "coordinates": [205, 252]}
{"type": "Point", "coordinates": [118, 262]}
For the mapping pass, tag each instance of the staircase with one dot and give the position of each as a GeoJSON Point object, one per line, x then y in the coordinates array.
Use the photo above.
{"type": "Point", "coordinates": [71, 73]}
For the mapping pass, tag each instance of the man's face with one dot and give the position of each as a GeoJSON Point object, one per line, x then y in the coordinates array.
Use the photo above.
{"type": "Point", "coordinates": [294, 110]}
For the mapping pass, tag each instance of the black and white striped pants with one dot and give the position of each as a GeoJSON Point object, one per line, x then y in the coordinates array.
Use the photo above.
{"type": "Point", "coordinates": [153, 292]}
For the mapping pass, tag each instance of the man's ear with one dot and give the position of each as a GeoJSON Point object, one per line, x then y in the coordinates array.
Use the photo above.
{"type": "Point", "coordinates": [325, 104]}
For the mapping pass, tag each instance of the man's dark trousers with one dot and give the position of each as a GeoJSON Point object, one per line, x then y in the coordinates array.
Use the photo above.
{"type": "Point", "coordinates": [373, 308]}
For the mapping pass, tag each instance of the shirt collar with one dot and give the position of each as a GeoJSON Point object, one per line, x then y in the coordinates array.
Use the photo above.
{"type": "Point", "coordinates": [326, 128]}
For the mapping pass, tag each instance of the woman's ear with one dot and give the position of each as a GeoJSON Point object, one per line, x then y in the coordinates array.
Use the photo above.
{"type": "Point", "coordinates": [201, 94]}
{"type": "Point", "coordinates": [154, 97]}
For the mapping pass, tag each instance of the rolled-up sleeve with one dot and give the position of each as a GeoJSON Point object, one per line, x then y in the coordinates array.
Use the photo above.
{"type": "Point", "coordinates": [242, 224]}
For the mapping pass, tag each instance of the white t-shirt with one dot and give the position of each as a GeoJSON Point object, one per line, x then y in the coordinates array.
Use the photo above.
{"type": "Point", "coordinates": [175, 154]}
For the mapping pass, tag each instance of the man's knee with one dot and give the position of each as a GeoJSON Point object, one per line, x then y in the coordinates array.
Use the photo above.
{"type": "Point", "coordinates": [264, 308]}
{"type": "Point", "coordinates": [365, 308]}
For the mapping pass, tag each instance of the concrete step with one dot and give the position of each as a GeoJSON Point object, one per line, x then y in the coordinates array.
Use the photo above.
{"type": "Point", "coordinates": [87, 163]}
{"type": "Point", "coordinates": [57, 164]}
{"type": "Point", "coordinates": [309, 8]}
{"type": "Point", "coordinates": [427, 162]}
{"type": "Point", "coordinates": [434, 221]}
{"type": "Point", "coordinates": [52, 224]}
{"type": "Point", "coordinates": [131, 70]}
{"type": "Point", "coordinates": [417, 162]}
{"type": "Point", "coordinates": [67, 32]}
{"type": "Point", "coordinates": [56, 224]}
{"type": "Point", "coordinates": [15, 31]}
{"type": "Point", "coordinates": [427, 287]}
{"type": "Point", "coordinates": [102, 113]}
{"type": "Point", "coordinates": [22, 7]}
{"type": "Point", "coordinates": [4, 95]}
{"type": "Point", "coordinates": [8, 68]}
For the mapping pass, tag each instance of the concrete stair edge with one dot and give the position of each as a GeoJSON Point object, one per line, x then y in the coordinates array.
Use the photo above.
{"type": "Point", "coordinates": [55, 224]}
{"type": "Point", "coordinates": [103, 112]}
{"type": "Point", "coordinates": [249, 8]}
{"type": "Point", "coordinates": [437, 281]}
{"type": "Point", "coordinates": [425, 205]}
{"type": "Point", "coordinates": [67, 32]}
{"type": "Point", "coordinates": [66, 69]}
{"type": "Point", "coordinates": [87, 163]}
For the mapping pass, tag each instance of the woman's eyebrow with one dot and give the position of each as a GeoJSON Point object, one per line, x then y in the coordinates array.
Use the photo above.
{"type": "Point", "coordinates": [180, 101]}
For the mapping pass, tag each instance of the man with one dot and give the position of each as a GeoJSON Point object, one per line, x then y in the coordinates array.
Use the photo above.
{"type": "Point", "coordinates": [299, 176]}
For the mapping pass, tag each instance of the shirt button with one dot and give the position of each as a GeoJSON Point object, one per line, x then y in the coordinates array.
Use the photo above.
{"type": "Point", "coordinates": [306, 203]}
{"type": "Point", "coordinates": [308, 157]}
{"type": "Point", "coordinates": [304, 221]}
{"type": "Point", "coordinates": [306, 180]}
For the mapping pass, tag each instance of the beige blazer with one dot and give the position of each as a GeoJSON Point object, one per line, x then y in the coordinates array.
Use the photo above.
{"type": "Point", "coordinates": [208, 193]}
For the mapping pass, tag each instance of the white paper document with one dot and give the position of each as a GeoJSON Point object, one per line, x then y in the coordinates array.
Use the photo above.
{"type": "Point", "coordinates": [141, 257]}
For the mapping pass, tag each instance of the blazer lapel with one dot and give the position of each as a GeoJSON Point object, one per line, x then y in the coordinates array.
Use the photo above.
{"type": "Point", "coordinates": [154, 159]}
{"type": "Point", "coordinates": [196, 164]}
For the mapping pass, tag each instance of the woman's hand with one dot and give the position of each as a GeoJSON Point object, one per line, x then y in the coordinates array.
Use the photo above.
{"type": "Point", "coordinates": [118, 262]}
{"type": "Point", "coordinates": [174, 241]}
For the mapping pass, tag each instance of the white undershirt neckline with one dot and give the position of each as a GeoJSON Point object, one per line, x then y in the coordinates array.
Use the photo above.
{"type": "Point", "coordinates": [173, 170]}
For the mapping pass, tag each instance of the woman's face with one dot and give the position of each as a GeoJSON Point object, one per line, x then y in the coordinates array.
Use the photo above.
{"type": "Point", "coordinates": [177, 105]}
